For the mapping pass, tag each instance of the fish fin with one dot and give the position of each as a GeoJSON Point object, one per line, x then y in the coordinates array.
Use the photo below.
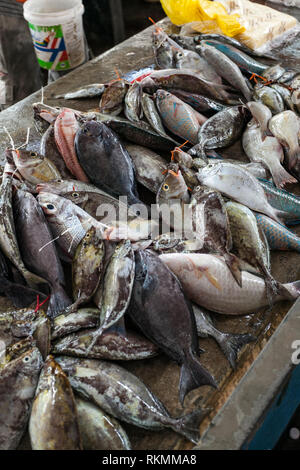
{"type": "Point", "coordinates": [33, 280]}
{"type": "Point", "coordinates": [59, 301]}
{"type": "Point", "coordinates": [211, 279]}
{"type": "Point", "coordinates": [21, 296]}
{"type": "Point", "coordinates": [278, 215]}
{"type": "Point", "coordinates": [281, 177]}
{"type": "Point", "coordinates": [231, 344]}
{"type": "Point", "coordinates": [233, 264]}
{"type": "Point", "coordinates": [193, 375]}
{"type": "Point", "coordinates": [289, 291]}
{"type": "Point", "coordinates": [189, 424]}
{"type": "Point", "coordinates": [293, 157]}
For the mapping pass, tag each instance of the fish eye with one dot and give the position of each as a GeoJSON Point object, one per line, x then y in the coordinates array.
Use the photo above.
{"type": "Point", "coordinates": [88, 235]}
{"type": "Point", "coordinates": [166, 187]}
{"type": "Point", "coordinates": [33, 154]}
{"type": "Point", "coordinates": [75, 195]}
{"type": "Point", "coordinates": [59, 181]}
{"type": "Point", "coordinates": [179, 54]}
{"type": "Point", "coordinates": [50, 207]}
{"type": "Point", "coordinates": [26, 359]}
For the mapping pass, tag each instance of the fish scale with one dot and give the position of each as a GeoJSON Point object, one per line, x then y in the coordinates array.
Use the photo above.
{"type": "Point", "coordinates": [278, 236]}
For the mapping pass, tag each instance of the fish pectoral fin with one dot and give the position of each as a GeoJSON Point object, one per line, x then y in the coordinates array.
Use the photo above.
{"type": "Point", "coordinates": [211, 278]}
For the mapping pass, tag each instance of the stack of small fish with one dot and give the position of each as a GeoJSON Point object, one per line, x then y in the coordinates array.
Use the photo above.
{"type": "Point", "coordinates": [134, 295]}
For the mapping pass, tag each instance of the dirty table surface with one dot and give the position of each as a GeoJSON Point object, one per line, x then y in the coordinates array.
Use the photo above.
{"type": "Point", "coordinates": [159, 373]}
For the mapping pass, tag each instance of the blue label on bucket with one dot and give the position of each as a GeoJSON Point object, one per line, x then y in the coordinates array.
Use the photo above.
{"type": "Point", "coordinates": [50, 47]}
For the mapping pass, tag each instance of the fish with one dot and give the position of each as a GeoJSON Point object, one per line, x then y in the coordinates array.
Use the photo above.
{"type": "Point", "coordinates": [278, 236]}
{"type": "Point", "coordinates": [134, 231]}
{"type": "Point", "coordinates": [97, 203]}
{"type": "Point", "coordinates": [117, 286]}
{"type": "Point", "coordinates": [211, 225]}
{"type": "Point", "coordinates": [124, 396]}
{"type": "Point", "coordinates": [269, 97]}
{"type": "Point", "coordinates": [68, 323]}
{"type": "Point", "coordinates": [241, 59]}
{"type": "Point", "coordinates": [163, 50]}
{"type": "Point", "coordinates": [140, 133]}
{"type": "Point", "coordinates": [267, 151]}
{"type": "Point", "coordinates": [286, 127]}
{"type": "Point", "coordinates": [98, 430]}
{"type": "Point", "coordinates": [37, 251]}
{"type": "Point", "coordinates": [113, 96]}
{"type": "Point", "coordinates": [220, 130]}
{"type": "Point", "coordinates": [206, 280]}
{"type": "Point", "coordinates": [53, 421]}
{"type": "Point", "coordinates": [18, 381]}
{"type": "Point", "coordinates": [190, 60]}
{"type": "Point", "coordinates": [175, 243]}
{"type": "Point", "coordinates": [273, 73]}
{"type": "Point", "coordinates": [65, 129]}
{"type": "Point", "coordinates": [282, 200]}
{"type": "Point", "coordinates": [49, 149]}
{"type": "Point", "coordinates": [68, 223]}
{"type": "Point", "coordinates": [238, 184]}
{"type": "Point", "coordinates": [148, 165]}
{"type": "Point", "coordinates": [91, 90]}
{"type": "Point", "coordinates": [185, 80]}
{"type": "Point", "coordinates": [8, 238]}
{"type": "Point", "coordinates": [230, 343]}
{"type": "Point", "coordinates": [249, 245]}
{"type": "Point", "coordinates": [15, 350]}
{"type": "Point", "coordinates": [261, 114]}
{"type": "Point", "coordinates": [106, 161]}
{"type": "Point", "coordinates": [44, 115]}
{"type": "Point", "coordinates": [169, 324]}
{"type": "Point", "coordinates": [112, 344]}
{"type": "Point", "coordinates": [152, 115]}
{"type": "Point", "coordinates": [87, 267]}
{"type": "Point", "coordinates": [180, 118]}
{"type": "Point", "coordinates": [35, 168]}
{"type": "Point", "coordinates": [226, 68]}
{"type": "Point", "coordinates": [133, 103]}
{"type": "Point", "coordinates": [200, 103]}
{"type": "Point", "coordinates": [286, 95]}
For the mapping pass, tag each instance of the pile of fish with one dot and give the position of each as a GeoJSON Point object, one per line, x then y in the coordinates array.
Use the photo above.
{"type": "Point", "coordinates": [95, 277]}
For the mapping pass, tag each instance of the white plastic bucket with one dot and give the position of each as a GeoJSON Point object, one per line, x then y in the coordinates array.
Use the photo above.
{"type": "Point", "coordinates": [57, 32]}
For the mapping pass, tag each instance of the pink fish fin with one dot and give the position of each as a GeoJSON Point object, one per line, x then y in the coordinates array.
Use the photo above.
{"type": "Point", "coordinates": [281, 177]}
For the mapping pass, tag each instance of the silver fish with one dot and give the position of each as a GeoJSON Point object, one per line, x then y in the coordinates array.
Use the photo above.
{"type": "Point", "coordinates": [86, 91]}
{"type": "Point", "coordinates": [286, 127]}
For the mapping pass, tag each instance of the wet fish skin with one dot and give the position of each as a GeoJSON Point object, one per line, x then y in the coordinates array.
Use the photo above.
{"type": "Point", "coordinates": [124, 396]}
{"type": "Point", "coordinates": [278, 236]}
{"type": "Point", "coordinates": [35, 168]}
{"type": "Point", "coordinates": [49, 149]}
{"type": "Point", "coordinates": [229, 343]}
{"type": "Point", "coordinates": [185, 59]}
{"type": "Point", "coordinates": [38, 254]}
{"type": "Point", "coordinates": [133, 106]}
{"type": "Point", "coordinates": [148, 165]}
{"type": "Point", "coordinates": [238, 184]}
{"type": "Point", "coordinates": [267, 151]}
{"type": "Point", "coordinates": [207, 281]}
{"type": "Point", "coordinates": [220, 130]}
{"type": "Point", "coordinates": [87, 267]}
{"type": "Point", "coordinates": [68, 323]}
{"type": "Point", "coordinates": [164, 49]}
{"type": "Point", "coordinates": [261, 114]}
{"type": "Point", "coordinates": [283, 201]}
{"type": "Point", "coordinates": [113, 96]}
{"type": "Point", "coordinates": [8, 239]}
{"type": "Point", "coordinates": [286, 127]}
{"type": "Point", "coordinates": [53, 422]}
{"type": "Point", "coordinates": [152, 115]}
{"type": "Point", "coordinates": [273, 73]}
{"type": "Point", "coordinates": [200, 103]}
{"type": "Point", "coordinates": [180, 118]}
{"type": "Point", "coordinates": [106, 160]}
{"type": "Point", "coordinates": [286, 95]}
{"type": "Point", "coordinates": [159, 322]}
{"type": "Point", "coordinates": [269, 97]}
{"type": "Point", "coordinates": [241, 59]}
{"type": "Point", "coordinates": [65, 129]}
{"type": "Point", "coordinates": [20, 377]}
{"type": "Point", "coordinates": [98, 430]}
{"type": "Point", "coordinates": [226, 68]}
{"type": "Point", "coordinates": [112, 344]}
{"type": "Point", "coordinates": [15, 350]}
{"type": "Point", "coordinates": [87, 91]}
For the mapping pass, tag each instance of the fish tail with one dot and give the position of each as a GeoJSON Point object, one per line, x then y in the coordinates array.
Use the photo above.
{"type": "Point", "coordinates": [277, 215]}
{"type": "Point", "coordinates": [293, 157]}
{"type": "Point", "coordinates": [281, 177]}
{"type": "Point", "coordinates": [189, 424]}
{"type": "Point", "coordinates": [231, 344]}
{"type": "Point", "coordinates": [233, 264]}
{"type": "Point", "coordinates": [290, 291]}
{"type": "Point", "coordinates": [59, 301]}
{"type": "Point", "coordinates": [193, 375]}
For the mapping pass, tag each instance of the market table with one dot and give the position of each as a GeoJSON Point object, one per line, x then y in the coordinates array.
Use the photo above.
{"type": "Point", "coordinates": [247, 397]}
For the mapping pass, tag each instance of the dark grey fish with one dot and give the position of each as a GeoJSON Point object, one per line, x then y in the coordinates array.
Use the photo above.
{"type": "Point", "coordinates": [106, 161]}
{"type": "Point", "coordinates": [200, 103]}
{"type": "Point", "coordinates": [158, 307]}
{"type": "Point", "coordinates": [39, 255]}
{"type": "Point", "coordinates": [152, 115]}
{"type": "Point", "coordinates": [111, 345]}
{"type": "Point", "coordinates": [18, 381]}
{"type": "Point", "coordinates": [230, 343]}
{"type": "Point", "coordinates": [124, 396]}
{"type": "Point", "coordinates": [53, 421]}
{"type": "Point", "coordinates": [133, 103]}
{"type": "Point", "coordinates": [98, 430]}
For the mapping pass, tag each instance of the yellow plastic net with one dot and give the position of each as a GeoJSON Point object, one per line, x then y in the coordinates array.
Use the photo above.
{"type": "Point", "coordinates": [212, 15]}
